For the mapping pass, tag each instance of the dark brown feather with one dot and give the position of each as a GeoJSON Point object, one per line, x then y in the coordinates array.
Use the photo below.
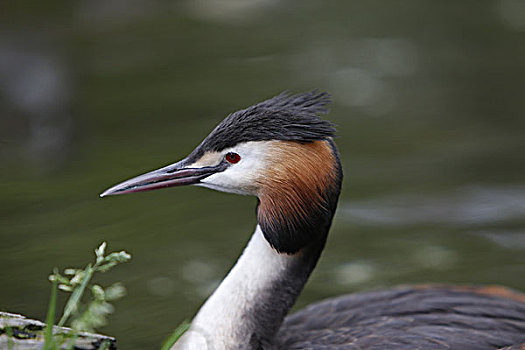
{"type": "Point", "coordinates": [298, 194]}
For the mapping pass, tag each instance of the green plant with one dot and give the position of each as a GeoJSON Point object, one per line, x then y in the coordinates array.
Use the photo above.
{"type": "Point", "coordinates": [177, 333]}
{"type": "Point", "coordinates": [88, 315]}
{"type": "Point", "coordinates": [81, 314]}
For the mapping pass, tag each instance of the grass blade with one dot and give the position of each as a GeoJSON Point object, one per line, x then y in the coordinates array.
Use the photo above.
{"type": "Point", "coordinates": [72, 342]}
{"type": "Point", "coordinates": [10, 335]}
{"type": "Point", "coordinates": [105, 345]}
{"type": "Point", "coordinates": [177, 333]}
{"type": "Point", "coordinates": [50, 318]}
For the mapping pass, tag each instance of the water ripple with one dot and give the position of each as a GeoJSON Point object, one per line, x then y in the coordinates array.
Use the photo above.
{"type": "Point", "coordinates": [464, 207]}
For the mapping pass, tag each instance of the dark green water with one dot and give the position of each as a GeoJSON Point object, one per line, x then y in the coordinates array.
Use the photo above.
{"type": "Point", "coordinates": [428, 96]}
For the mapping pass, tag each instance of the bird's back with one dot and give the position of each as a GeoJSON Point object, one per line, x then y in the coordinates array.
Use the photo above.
{"type": "Point", "coordinates": [423, 317]}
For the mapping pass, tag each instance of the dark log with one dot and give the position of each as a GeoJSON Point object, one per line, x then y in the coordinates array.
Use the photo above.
{"type": "Point", "coordinates": [20, 333]}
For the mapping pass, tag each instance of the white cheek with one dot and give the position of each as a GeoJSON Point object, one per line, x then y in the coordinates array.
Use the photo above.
{"type": "Point", "coordinates": [241, 177]}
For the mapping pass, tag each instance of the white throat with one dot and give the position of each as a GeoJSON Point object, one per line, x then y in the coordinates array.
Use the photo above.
{"type": "Point", "coordinates": [226, 319]}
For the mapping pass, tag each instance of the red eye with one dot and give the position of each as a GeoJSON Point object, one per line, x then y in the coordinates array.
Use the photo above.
{"type": "Point", "coordinates": [232, 157]}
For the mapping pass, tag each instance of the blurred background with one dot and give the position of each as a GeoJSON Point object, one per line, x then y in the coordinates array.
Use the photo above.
{"type": "Point", "coordinates": [428, 97]}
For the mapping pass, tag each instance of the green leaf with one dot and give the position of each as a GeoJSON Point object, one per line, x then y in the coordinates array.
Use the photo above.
{"type": "Point", "coordinates": [74, 299]}
{"type": "Point", "coordinates": [65, 288]}
{"type": "Point", "coordinates": [118, 257]}
{"type": "Point", "coordinates": [115, 291]}
{"type": "Point", "coordinates": [98, 292]}
{"type": "Point", "coordinates": [106, 267]}
{"type": "Point", "coordinates": [57, 277]}
{"type": "Point", "coordinates": [71, 271]}
{"type": "Point", "coordinates": [78, 278]}
{"type": "Point", "coordinates": [99, 252]}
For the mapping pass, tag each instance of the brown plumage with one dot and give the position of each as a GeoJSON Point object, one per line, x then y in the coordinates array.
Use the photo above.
{"type": "Point", "coordinates": [295, 182]}
{"type": "Point", "coordinates": [297, 192]}
{"type": "Point", "coordinates": [490, 290]}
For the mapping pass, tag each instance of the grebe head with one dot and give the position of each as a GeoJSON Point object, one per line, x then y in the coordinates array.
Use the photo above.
{"type": "Point", "coordinates": [278, 150]}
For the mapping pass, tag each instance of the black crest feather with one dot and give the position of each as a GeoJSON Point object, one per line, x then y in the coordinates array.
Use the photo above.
{"type": "Point", "coordinates": [283, 117]}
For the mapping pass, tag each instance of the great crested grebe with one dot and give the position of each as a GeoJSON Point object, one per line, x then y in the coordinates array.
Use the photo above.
{"type": "Point", "coordinates": [282, 152]}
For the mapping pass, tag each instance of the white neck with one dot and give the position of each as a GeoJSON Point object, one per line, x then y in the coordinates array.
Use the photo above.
{"type": "Point", "coordinates": [246, 300]}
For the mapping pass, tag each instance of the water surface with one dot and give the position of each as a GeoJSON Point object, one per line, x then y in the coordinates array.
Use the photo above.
{"type": "Point", "coordinates": [428, 98]}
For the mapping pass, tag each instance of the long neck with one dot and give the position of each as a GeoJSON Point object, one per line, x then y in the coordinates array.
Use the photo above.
{"type": "Point", "coordinates": [249, 306]}
{"type": "Point", "coordinates": [294, 216]}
